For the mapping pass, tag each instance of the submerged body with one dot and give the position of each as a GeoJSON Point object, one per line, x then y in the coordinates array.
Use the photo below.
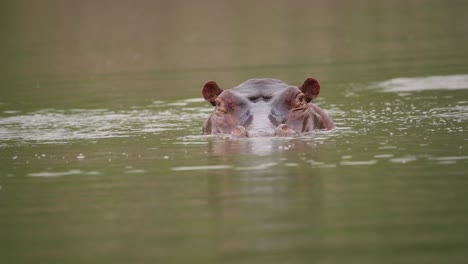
{"type": "Point", "coordinates": [264, 107]}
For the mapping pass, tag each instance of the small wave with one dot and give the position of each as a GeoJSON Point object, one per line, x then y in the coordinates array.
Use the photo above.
{"type": "Point", "coordinates": [48, 174]}
{"type": "Point", "coordinates": [55, 174]}
{"type": "Point", "coordinates": [206, 167]}
{"type": "Point", "coordinates": [133, 171]}
{"type": "Point", "coordinates": [448, 82]}
{"type": "Point", "coordinates": [258, 167]}
{"type": "Point", "coordinates": [55, 125]}
{"type": "Point", "coordinates": [358, 163]}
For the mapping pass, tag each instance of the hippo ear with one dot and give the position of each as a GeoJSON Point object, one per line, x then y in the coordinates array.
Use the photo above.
{"type": "Point", "coordinates": [211, 91]}
{"type": "Point", "coordinates": [310, 88]}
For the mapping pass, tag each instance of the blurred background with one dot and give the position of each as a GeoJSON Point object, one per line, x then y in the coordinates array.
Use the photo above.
{"type": "Point", "coordinates": [155, 48]}
{"type": "Point", "coordinates": [102, 158]}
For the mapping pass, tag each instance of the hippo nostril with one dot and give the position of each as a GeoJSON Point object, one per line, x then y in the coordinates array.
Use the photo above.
{"type": "Point", "coordinates": [239, 131]}
{"type": "Point", "coordinates": [284, 130]}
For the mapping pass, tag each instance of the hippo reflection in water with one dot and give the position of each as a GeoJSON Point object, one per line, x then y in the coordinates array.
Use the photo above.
{"type": "Point", "coordinates": [264, 107]}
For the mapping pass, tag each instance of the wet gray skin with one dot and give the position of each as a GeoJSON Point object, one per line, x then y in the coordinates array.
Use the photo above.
{"type": "Point", "coordinates": [264, 107]}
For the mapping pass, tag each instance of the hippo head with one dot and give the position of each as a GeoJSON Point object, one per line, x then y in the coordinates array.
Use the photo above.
{"type": "Point", "coordinates": [264, 107]}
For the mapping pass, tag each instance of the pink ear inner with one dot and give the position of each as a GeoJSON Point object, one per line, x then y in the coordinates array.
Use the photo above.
{"type": "Point", "coordinates": [311, 89]}
{"type": "Point", "coordinates": [211, 91]}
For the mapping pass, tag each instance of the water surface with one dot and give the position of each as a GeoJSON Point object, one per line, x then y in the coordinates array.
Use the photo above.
{"type": "Point", "coordinates": [102, 159]}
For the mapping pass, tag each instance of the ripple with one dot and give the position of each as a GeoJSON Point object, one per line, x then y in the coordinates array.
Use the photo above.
{"type": "Point", "coordinates": [11, 112]}
{"type": "Point", "coordinates": [134, 171]}
{"type": "Point", "coordinates": [383, 156]}
{"type": "Point", "coordinates": [55, 174]}
{"type": "Point", "coordinates": [457, 112]}
{"type": "Point", "coordinates": [262, 166]}
{"type": "Point", "coordinates": [61, 126]}
{"type": "Point", "coordinates": [207, 167]}
{"type": "Point", "coordinates": [448, 82]}
{"type": "Point", "coordinates": [48, 174]}
{"type": "Point", "coordinates": [451, 158]}
{"type": "Point", "coordinates": [258, 167]}
{"type": "Point", "coordinates": [358, 163]}
{"type": "Point", "coordinates": [403, 160]}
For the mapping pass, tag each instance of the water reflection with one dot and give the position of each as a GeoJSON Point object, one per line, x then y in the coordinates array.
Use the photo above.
{"type": "Point", "coordinates": [258, 146]}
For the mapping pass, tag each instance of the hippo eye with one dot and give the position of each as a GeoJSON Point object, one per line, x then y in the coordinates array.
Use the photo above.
{"type": "Point", "coordinates": [220, 109]}
{"type": "Point", "coordinates": [218, 103]}
{"type": "Point", "coordinates": [301, 98]}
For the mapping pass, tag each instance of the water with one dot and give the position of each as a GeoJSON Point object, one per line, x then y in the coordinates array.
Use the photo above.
{"type": "Point", "coordinates": [102, 158]}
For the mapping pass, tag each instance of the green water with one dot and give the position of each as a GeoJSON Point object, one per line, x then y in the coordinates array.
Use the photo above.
{"type": "Point", "coordinates": [102, 158]}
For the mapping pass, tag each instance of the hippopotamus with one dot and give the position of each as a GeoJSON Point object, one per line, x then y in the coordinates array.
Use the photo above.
{"type": "Point", "coordinates": [264, 107]}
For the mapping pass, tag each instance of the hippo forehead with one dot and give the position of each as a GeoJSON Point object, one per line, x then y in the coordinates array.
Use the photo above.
{"type": "Point", "coordinates": [260, 88]}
